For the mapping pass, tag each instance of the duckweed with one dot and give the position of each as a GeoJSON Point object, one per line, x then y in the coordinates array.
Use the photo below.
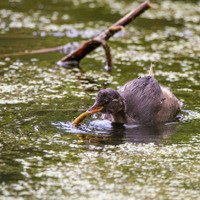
{"type": "Point", "coordinates": [42, 156]}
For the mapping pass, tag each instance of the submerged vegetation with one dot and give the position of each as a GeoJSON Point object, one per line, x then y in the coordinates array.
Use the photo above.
{"type": "Point", "coordinates": [42, 156]}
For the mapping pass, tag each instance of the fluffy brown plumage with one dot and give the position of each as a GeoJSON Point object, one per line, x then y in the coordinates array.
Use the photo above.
{"type": "Point", "coordinates": [141, 101]}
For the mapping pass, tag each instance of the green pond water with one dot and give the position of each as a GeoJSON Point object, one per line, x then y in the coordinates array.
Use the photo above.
{"type": "Point", "coordinates": [42, 156]}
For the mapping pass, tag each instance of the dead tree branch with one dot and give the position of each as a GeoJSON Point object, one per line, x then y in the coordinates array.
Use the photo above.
{"type": "Point", "coordinates": [90, 45]}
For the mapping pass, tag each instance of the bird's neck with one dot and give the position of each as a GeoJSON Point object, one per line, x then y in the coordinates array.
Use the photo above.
{"type": "Point", "coordinates": [119, 117]}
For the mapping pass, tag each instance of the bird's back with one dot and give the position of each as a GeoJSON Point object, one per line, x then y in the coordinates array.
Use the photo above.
{"type": "Point", "coordinates": [142, 98]}
{"type": "Point", "coordinates": [146, 101]}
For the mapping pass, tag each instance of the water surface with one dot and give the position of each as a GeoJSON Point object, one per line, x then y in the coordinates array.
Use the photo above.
{"type": "Point", "coordinates": [42, 156]}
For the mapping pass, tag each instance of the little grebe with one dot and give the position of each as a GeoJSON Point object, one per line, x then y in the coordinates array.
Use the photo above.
{"type": "Point", "coordinates": [140, 101]}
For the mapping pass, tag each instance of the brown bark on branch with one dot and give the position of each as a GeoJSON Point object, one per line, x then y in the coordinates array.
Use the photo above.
{"type": "Point", "coordinates": [90, 45]}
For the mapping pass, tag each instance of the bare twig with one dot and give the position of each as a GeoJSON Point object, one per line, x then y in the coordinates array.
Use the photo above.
{"type": "Point", "coordinates": [59, 48]}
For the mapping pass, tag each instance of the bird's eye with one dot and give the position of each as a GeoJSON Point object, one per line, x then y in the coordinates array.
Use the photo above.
{"type": "Point", "coordinates": [115, 100]}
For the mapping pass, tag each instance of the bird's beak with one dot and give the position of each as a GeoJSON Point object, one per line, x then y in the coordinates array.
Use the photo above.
{"type": "Point", "coordinates": [95, 109]}
{"type": "Point", "coordinates": [90, 111]}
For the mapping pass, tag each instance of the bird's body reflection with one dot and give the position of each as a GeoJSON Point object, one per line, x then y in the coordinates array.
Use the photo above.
{"type": "Point", "coordinates": [114, 133]}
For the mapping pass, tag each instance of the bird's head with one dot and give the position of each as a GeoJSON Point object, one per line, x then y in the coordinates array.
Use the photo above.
{"type": "Point", "coordinates": [108, 101]}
